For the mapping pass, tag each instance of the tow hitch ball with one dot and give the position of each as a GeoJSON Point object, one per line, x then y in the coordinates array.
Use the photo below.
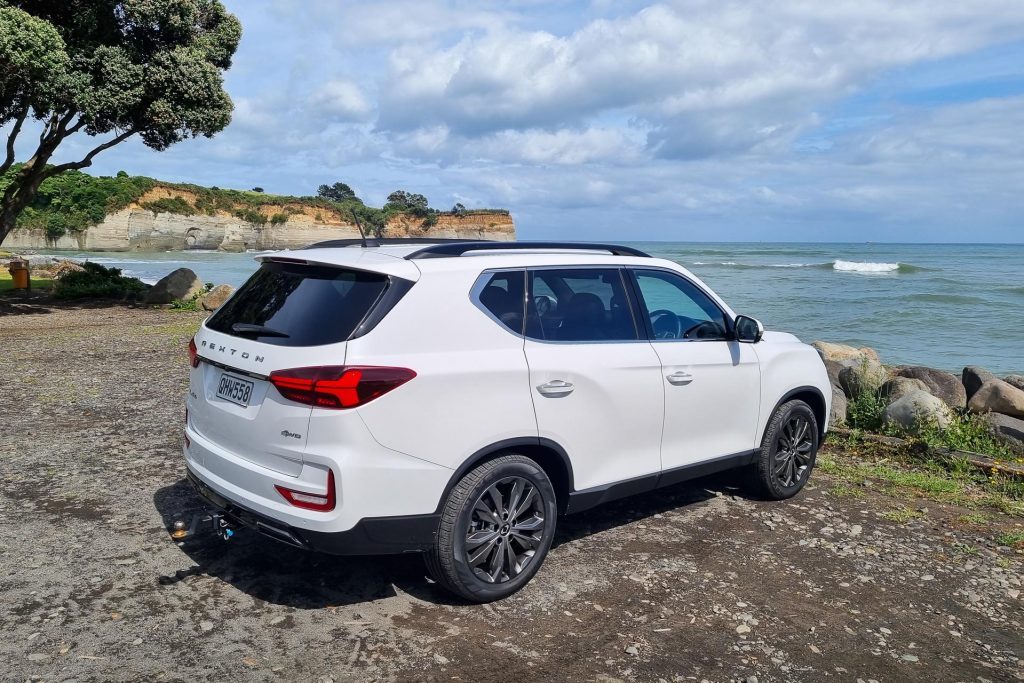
{"type": "Point", "coordinates": [216, 522]}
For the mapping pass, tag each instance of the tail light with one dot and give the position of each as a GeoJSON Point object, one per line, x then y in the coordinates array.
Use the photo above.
{"type": "Point", "coordinates": [336, 386]}
{"type": "Point", "coordinates": [193, 353]}
{"type": "Point", "coordinates": [311, 501]}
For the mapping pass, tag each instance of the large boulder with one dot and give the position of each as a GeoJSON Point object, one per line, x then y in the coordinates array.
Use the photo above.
{"type": "Point", "coordinates": [972, 377]}
{"type": "Point", "coordinates": [916, 409]}
{"type": "Point", "coordinates": [997, 396]}
{"type": "Point", "coordinates": [862, 376]}
{"type": "Point", "coordinates": [216, 297]}
{"type": "Point", "coordinates": [179, 284]}
{"type": "Point", "coordinates": [1010, 428]}
{"type": "Point", "coordinates": [1015, 381]}
{"type": "Point", "coordinates": [841, 352]}
{"type": "Point", "coordinates": [945, 385]}
{"type": "Point", "coordinates": [898, 387]}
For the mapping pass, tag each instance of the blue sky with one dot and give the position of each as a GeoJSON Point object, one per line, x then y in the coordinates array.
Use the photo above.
{"type": "Point", "coordinates": [780, 120]}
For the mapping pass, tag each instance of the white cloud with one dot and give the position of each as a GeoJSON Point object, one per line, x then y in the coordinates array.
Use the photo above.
{"type": "Point", "coordinates": [342, 101]}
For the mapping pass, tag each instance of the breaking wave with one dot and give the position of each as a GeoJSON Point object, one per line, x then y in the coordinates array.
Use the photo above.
{"type": "Point", "coordinates": [837, 265]}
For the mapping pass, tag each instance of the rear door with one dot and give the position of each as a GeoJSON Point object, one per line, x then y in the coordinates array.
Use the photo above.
{"type": "Point", "coordinates": [596, 384]}
{"type": "Point", "coordinates": [288, 315]}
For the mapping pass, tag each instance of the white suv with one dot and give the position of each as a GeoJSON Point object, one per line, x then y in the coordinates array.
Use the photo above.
{"type": "Point", "coordinates": [453, 398]}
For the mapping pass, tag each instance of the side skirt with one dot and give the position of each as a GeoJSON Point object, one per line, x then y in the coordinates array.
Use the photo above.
{"type": "Point", "coordinates": [592, 497]}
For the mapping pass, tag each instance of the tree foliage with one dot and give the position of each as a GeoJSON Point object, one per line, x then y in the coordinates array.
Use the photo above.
{"type": "Point", "coordinates": [338, 192]}
{"type": "Point", "coordinates": [110, 68]}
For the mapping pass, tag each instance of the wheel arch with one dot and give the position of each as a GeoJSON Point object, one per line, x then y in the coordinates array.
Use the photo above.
{"type": "Point", "coordinates": [813, 397]}
{"type": "Point", "coordinates": [551, 457]}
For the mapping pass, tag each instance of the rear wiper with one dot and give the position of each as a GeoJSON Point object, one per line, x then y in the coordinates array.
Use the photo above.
{"type": "Point", "coordinates": [257, 330]}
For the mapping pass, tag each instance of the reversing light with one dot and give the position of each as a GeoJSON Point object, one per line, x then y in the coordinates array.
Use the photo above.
{"type": "Point", "coordinates": [311, 501]}
{"type": "Point", "coordinates": [338, 387]}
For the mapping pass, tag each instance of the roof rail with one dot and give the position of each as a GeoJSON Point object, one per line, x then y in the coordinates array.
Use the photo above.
{"type": "Point", "coordinates": [384, 241]}
{"type": "Point", "coordinates": [460, 247]}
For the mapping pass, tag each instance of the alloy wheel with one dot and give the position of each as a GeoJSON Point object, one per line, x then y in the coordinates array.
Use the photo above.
{"type": "Point", "coordinates": [794, 450]}
{"type": "Point", "coordinates": [505, 529]}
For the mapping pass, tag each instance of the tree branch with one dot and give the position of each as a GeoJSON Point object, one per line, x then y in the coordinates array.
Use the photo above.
{"type": "Point", "coordinates": [87, 159]}
{"type": "Point", "coordinates": [9, 160]}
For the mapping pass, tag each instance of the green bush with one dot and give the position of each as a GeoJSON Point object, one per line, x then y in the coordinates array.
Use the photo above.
{"type": "Point", "coordinates": [866, 411]}
{"type": "Point", "coordinates": [966, 432]}
{"type": "Point", "coordinates": [279, 219]}
{"type": "Point", "coordinates": [250, 216]}
{"type": "Point", "coordinates": [99, 282]}
{"type": "Point", "coordinates": [177, 205]}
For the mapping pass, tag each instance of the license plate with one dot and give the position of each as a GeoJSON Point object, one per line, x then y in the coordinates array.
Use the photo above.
{"type": "Point", "coordinates": [235, 389]}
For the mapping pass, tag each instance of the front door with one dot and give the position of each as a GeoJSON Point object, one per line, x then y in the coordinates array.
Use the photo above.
{"type": "Point", "coordinates": [595, 380]}
{"type": "Point", "coordinates": [712, 383]}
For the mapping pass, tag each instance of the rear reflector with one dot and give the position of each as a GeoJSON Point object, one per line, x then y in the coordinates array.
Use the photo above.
{"type": "Point", "coordinates": [336, 386]}
{"type": "Point", "coordinates": [193, 353]}
{"type": "Point", "coordinates": [311, 501]}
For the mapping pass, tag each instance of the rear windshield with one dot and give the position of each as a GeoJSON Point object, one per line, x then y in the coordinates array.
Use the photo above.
{"type": "Point", "coordinates": [291, 304]}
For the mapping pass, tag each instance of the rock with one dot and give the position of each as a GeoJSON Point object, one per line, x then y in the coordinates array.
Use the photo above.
{"type": "Point", "coordinates": [840, 352]}
{"type": "Point", "coordinates": [179, 284]}
{"type": "Point", "coordinates": [216, 297]}
{"type": "Point", "coordinates": [866, 375]}
{"type": "Point", "coordinates": [973, 377]}
{"type": "Point", "coordinates": [839, 405]}
{"type": "Point", "coordinates": [440, 658]}
{"type": "Point", "coordinates": [1010, 428]}
{"type": "Point", "coordinates": [945, 385]}
{"type": "Point", "coordinates": [1015, 381]}
{"type": "Point", "coordinates": [916, 409]}
{"type": "Point", "coordinates": [997, 396]}
{"type": "Point", "coordinates": [898, 387]}
{"type": "Point", "coordinates": [206, 626]}
{"type": "Point", "coordinates": [632, 650]}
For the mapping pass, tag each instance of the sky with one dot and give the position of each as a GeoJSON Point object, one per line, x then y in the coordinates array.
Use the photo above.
{"type": "Point", "coordinates": [688, 120]}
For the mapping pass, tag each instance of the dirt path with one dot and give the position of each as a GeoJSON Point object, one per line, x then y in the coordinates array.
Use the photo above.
{"type": "Point", "coordinates": [691, 583]}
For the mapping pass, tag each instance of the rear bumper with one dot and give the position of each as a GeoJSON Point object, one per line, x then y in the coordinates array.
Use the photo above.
{"type": "Point", "coordinates": [369, 536]}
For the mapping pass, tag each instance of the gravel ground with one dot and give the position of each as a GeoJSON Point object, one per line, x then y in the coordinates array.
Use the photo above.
{"type": "Point", "coordinates": [696, 582]}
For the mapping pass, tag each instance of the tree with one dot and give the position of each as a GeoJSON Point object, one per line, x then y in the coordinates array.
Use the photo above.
{"type": "Point", "coordinates": [258, 189]}
{"type": "Point", "coordinates": [338, 192]}
{"type": "Point", "coordinates": [110, 68]}
{"type": "Point", "coordinates": [416, 204]}
{"type": "Point", "coordinates": [459, 209]}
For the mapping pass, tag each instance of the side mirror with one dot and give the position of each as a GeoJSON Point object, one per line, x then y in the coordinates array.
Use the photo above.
{"type": "Point", "coordinates": [748, 330]}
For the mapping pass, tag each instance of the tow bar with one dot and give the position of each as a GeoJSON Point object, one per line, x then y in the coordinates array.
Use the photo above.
{"type": "Point", "coordinates": [217, 522]}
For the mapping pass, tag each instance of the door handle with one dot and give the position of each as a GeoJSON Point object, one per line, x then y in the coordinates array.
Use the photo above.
{"type": "Point", "coordinates": [679, 378]}
{"type": "Point", "coordinates": [555, 388]}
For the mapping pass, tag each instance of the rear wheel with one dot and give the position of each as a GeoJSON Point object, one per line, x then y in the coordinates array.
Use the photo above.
{"type": "Point", "coordinates": [496, 529]}
{"type": "Point", "coordinates": [788, 451]}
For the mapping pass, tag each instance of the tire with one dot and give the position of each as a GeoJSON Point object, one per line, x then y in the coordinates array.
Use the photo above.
{"type": "Point", "coordinates": [470, 537]}
{"type": "Point", "coordinates": [780, 470]}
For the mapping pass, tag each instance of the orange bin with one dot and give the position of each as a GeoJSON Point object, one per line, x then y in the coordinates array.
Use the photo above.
{"type": "Point", "coordinates": [19, 273]}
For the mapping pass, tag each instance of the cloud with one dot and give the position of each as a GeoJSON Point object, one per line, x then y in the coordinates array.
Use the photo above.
{"type": "Point", "coordinates": [342, 101]}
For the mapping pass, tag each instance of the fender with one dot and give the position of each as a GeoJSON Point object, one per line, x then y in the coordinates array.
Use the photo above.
{"type": "Point", "coordinates": [818, 406]}
{"type": "Point", "coordinates": [530, 443]}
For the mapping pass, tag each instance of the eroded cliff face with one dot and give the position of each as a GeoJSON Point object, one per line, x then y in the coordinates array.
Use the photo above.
{"type": "Point", "coordinates": [138, 229]}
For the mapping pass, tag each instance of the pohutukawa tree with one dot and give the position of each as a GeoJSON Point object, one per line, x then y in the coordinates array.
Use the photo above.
{"type": "Point", "coordinates": [110, 70]}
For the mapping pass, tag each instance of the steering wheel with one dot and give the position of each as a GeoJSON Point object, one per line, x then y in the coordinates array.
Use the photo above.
{"type": "Point", "coordinates": [660, 331]}
{"type": "Point", "coordinates": [707, 329]}
{"type": "Point", "coordinates": [544, 304]}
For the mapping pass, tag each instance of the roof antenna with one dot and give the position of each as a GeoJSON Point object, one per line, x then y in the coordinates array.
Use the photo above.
{"type": "Point", "coordinates": [362, 235]}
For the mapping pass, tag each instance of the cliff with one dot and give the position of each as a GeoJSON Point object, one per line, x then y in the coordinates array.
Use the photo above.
{"type": "Point", "coordinates": [274, 223]}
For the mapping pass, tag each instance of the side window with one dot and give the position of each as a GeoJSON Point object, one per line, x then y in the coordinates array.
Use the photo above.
{"type": "Point", "coordinates": [578, 305]}
{"type": "Point", "coordinates": [502, 296]}
{"type": "Point", "coordinates": [678, 309]}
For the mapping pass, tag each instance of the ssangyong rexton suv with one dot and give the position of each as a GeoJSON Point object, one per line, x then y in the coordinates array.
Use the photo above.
{"type": "Point", "coordinates": [455, 398]}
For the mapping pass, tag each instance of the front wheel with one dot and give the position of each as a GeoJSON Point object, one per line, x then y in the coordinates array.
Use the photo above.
{"type": "Point", "coordinates": [788, 451]}
{"type": "Point", "coordinates": [496, 529]}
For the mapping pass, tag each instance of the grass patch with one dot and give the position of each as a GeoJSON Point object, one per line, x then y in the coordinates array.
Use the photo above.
{"type": "Point", "coordinates": [1013, 539]}
{"type": "Point", "coordinates": [902, 515]}
{"type": "Point", "coordinates": [900, 472]}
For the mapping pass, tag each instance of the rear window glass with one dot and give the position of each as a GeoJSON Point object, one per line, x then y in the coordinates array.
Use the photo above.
{"type": "Point", "coordinates": [291, 304]}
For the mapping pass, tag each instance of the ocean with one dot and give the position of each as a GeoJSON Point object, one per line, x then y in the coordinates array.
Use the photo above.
{"type": "Point", "coordinates": [940, 305]}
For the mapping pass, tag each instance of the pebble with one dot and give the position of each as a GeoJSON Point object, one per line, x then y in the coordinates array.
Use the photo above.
{"type": "Point", "coordinates": [440, 659]}
{"type": "Point", "coordinates": [909, 658]}
{"type": "Point", "coordinates": [206, 625]}
{"type": "Point", "coordinates": [277, 620]}
{"type": "Point", "coordinates": [632, 650]}
{"type": "Point", "coordinates": [742, 628]}
{"type": "Point", "coordinates": [37, 657]}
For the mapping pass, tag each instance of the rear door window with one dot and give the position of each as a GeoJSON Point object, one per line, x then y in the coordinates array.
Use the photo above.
{"type": "Point", "coordinates": [579, 305]}
{"type": "Point", "coordinates": [295, 304]}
